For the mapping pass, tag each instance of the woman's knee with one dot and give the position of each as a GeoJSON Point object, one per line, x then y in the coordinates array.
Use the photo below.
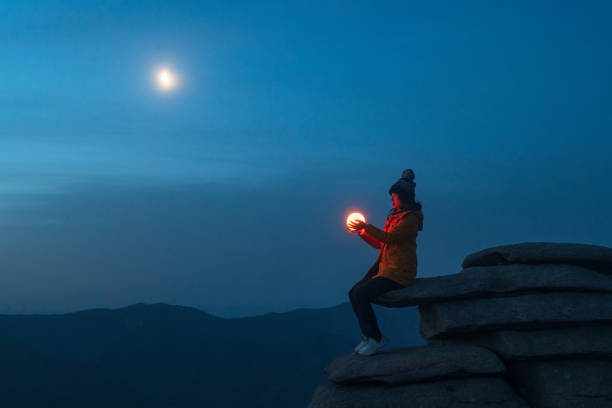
{"type": "Point", "coordinates": [351, 293]}
{"type": "Point", "coordinates": [359, 295]}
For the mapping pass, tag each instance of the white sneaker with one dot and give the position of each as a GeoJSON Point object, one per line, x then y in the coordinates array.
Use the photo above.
{"type": "Point", "coordinates": [364, 341]}
{"type": "Point", "coordinates": [372, 346]}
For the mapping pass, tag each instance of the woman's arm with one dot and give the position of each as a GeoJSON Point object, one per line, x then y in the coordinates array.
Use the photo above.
{"type": "Point", "coordinates": [370, 239]}
{"type": "Point", "coordinates": [407, 228]}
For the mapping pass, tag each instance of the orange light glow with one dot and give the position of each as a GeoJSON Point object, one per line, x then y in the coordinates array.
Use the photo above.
{"type": "Point", "coordinates": [356, 216]}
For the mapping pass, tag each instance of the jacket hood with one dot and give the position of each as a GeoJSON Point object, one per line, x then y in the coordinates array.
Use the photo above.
{"type": "Point", "coordinates": [418, 213]}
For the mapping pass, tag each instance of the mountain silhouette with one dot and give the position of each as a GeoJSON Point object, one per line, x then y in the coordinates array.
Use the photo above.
{"type": "Point", "coordinates": [160, 355]}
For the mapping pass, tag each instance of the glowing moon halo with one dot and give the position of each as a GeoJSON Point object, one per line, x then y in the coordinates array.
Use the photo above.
{"type": "Point", "coordinates": [355, 216]}
{"type": "Point", "coordinates": [165, 79]}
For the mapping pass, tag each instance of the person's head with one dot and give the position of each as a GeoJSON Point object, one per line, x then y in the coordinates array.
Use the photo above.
{"type": "Point", "coordinates": [402, 192]}
{"type": "Point", "coordinates": [396, 201]}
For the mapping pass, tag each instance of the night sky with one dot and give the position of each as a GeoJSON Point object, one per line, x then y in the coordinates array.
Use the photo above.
{"type": "Point", "coordinates": [229, 191]}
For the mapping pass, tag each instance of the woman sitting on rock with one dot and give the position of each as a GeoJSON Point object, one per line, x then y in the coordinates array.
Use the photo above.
{"type": "Point", "coordinates": [396, 266]}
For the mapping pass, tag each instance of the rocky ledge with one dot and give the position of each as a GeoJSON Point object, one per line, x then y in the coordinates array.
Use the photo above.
{"type": "Point", "coordinates": [523, 325]}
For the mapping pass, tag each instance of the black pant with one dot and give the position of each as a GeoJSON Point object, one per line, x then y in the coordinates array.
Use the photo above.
{"type": "Point", "coordinates": [364, 292]}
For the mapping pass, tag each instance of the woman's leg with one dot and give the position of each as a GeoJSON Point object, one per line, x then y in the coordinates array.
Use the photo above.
{"type": "Point", "coordinates": [368, 276]}
{"type": "Point", "coordinates": [361, 295]}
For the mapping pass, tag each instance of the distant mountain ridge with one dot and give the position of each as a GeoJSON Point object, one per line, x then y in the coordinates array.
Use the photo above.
{"type": "Point", "coordinates": [160, 355]}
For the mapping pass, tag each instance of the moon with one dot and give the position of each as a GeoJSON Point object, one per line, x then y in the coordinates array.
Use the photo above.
{"type": "Point", "coordinates": [166, 80]}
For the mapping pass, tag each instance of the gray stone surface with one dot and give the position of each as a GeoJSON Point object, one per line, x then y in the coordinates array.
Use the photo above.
{"type": "Point", "coordinates": [596, 257]}
{"type": "Point", "coordinates": [473, 392]}
{"type": "Point", "coordinates": [564, 383]}
{"type": "Point", "coordinates": [533, 311]}
{"type": "Point", "coordinates": [497, 280]}
{"type": "Point", "coordinates": [589, 341]}
{"type": "Point", "coordinates": [414, 364]}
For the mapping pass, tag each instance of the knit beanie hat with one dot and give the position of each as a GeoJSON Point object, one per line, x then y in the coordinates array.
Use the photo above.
{"type": "Point", "coordinates": [404, 187]}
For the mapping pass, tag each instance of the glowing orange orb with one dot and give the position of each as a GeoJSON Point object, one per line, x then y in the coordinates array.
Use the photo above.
{"type": "Point", "coordinates": [356, 216]}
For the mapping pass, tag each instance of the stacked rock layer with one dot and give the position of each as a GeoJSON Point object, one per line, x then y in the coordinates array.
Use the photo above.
{"type": "Point", "coordinates": [521, 325]}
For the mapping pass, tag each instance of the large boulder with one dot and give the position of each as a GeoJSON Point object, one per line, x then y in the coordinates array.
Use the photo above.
{"type": "Point", "coordinates": [595, 257]}
{"type": "Point", "coordinates": [533, 311]}
{"type": "Point", "coordinates": [473, 392]}
{"type": "Point", "coordinates": [563, 383]}
{"type": "Point", "coordinates": [586, 342]}
{"type": "Point", "coordinates": [497, 280]}
{"type": "Point", "coordinates": [414, 364]}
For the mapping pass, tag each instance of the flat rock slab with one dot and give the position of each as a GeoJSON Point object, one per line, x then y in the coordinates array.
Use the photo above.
{"type": "Point", "coordinates": [564, 383]}
{"type": "Point", "coordinates": [534, 311]}
{"type": "Point", "coordinates": [497, 280]}
{"type": "Point", "coordinates": [414, 364]}
{"type": "Point", "coordinates": [595, 257]}
{"type": "Point", "coordinates": [584, 342]}
{"type": "Point", "coordinates": [473, 392]}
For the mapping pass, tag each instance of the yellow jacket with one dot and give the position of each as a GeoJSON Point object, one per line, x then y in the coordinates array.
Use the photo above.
{"type": "Point", "coordinates": [397, 258]}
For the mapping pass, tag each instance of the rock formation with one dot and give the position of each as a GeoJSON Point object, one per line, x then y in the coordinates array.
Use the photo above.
{"type": "Point", "coordinates": [523, 325]}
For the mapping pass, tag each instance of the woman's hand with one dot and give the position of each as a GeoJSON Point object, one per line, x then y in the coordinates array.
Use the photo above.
{"type": "Point", "coordinates": [356, 226]}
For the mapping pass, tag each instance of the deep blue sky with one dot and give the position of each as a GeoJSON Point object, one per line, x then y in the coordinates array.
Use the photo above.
{"type": "Point", "coordinates": [229, 193]}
